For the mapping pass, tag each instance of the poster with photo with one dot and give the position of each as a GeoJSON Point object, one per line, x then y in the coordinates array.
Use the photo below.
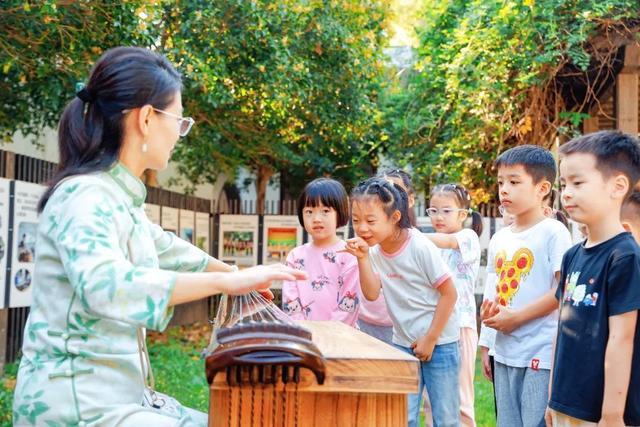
{"type": "Point", "coordinates": [25, 227]}
{"type": "Point", "coordinates": [169, 219]}
{"type": "Point", "coordinates": [187, 225]}
{"type": "Point", "coordinates": [281, 233]}
{"type": "Point", "coordinates": [153, 213]}
{"type": "Point", "coordinates": [238, 240]}
{"type": "Point", "coordinates": [203, 227]}
{"type": "Point", "coordinates": [4, 235]}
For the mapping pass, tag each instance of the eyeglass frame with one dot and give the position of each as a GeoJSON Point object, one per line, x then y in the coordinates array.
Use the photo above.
{"type": "Point", "coordinates": [437, 211]}
{"type": "Point", "coordinates": [180, 119]}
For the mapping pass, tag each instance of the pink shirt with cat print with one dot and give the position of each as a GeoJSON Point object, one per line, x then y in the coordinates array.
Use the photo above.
{"type": "Point", "coordinates": [330, 292]}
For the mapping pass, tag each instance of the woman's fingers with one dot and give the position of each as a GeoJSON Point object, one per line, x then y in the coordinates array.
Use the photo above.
{"type": "Point", "coordinates": [267, 294]}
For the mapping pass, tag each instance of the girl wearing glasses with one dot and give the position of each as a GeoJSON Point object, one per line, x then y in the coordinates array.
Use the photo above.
{"type": "Point", "coordinates": [449, 208]}
{"type": "Point", "coordinates": [103, 272]}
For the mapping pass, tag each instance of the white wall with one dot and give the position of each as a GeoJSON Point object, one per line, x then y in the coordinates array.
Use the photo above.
{"type": "Point", "coordinates": [49, 151]}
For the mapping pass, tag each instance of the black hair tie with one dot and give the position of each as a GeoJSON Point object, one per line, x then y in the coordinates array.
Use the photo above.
{"type": "Point", "coordinates": [84, 95]}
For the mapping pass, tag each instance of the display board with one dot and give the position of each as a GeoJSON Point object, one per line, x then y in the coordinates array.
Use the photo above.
{"type": "Point", "coordinates": [23, 254]}
{"type": "Point", "coordinates": [281, 233]}
{"type": "Point", "coordinates": [238, 240]}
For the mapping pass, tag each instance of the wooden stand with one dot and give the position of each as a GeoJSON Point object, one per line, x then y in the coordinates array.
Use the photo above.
{"type": "Point", "coordinates": [366, 385]}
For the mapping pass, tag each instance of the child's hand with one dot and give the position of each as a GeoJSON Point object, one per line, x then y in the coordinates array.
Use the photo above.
{"type": "Point", "coordinates": [423, 347]}
{"type": "Point", "coordinates": [488, 309]}
{"type": "Point", "coordinates": [357, 247]}
{"type": "Point", "coordinates": [547, 417]}
{"type": "Point", "coordinates": [505, 321]}
{"type": "Point", "coordinates": [486, 363]}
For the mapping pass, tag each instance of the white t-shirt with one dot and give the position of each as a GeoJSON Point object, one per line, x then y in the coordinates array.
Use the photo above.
{"type": "Point", "coordinates": [488, 335]}
{"type": "Point", "coordinates": [410, 278]}
{"type": "Point", "coordinates": [464, 264]}
{"type": "Point", "coordinates": [524, 265]}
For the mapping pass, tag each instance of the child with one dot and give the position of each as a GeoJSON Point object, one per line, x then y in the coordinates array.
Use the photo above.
{"type": "Point", "coordinates": [596, 371]}
{"type": "Point", "coordinates": [549, 208]}
{"type": "Point", "coordinates": [403, 179]}
{"type": "Point", "coordinates": [374, 318]}
{"type": "Point", "coordinates": [449, 207]}
{"type": "Point", "coordinates": [631, 215]}
{"type": "Point", "coordinates": [331, 291]}
{"type": "Point", "coordinates": [419, 292]}
{"type": "Point", "coordinates": [525, 258]}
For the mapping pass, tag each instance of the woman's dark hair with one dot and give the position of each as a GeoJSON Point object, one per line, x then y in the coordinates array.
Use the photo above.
{"type": "Point", "coordinates": [90, 129]}
{"type": "Point", "coordinates": [391, 196]}
{"type": "Point", "coordinates": [463, 200]}
{"type": "Point", "coordinates": [327, 192]}
{"type": "Point", "coordinates": [406, 185]}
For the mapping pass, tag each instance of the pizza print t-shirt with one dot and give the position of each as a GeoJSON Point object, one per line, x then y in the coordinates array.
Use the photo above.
{"type": "Point", "coordinates": [524, 265]}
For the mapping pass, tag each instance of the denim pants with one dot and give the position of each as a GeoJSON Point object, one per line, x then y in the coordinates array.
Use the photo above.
{"type": "Point", "coordinates": [440, 377]}
{"type": "Point", "coordinates": [383, 333]}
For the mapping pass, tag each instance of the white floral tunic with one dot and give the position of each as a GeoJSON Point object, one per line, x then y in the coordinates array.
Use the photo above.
{"type": "Point", "coordinates": [102, 270]}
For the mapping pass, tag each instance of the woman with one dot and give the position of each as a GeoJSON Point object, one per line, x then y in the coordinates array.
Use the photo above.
{"type": "Point", "coordinates": [103, 271]}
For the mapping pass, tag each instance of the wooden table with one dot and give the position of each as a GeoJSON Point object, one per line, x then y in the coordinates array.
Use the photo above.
{"type": "Point", "coordinates": [367, 382]}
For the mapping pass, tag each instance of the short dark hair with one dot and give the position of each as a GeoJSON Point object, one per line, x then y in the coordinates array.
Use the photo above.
{"type": "Point", "coordinates": [392, 197]}
{"type": "Point", "coordinates": [615, 152]}
{"type": "Point", "coordinates": [328, 192]}
{"type": "Point", "coordinates": [538, 162]}
{"type": "Point", "coordinates": [631, 207]}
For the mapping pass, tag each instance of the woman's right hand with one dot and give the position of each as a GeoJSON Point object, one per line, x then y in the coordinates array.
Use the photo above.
{"type": "Point", "coordinates": [357, 247]}
{"type": "Point", "coordinates": [258, 278]}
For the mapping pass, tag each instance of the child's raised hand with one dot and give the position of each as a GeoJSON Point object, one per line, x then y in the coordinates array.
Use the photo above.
{"type": "Point", "coordinates": [423, 347]}
{"type": "Point", "coordinates": [357, 247]}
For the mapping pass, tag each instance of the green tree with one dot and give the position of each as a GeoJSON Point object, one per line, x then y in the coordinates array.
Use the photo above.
{"type": "Point", "coordinates": [487, 77]}
{"type": "Point", "coordinates": [278, 85]}
{"type": "Point", "coordinates": [46, 47]}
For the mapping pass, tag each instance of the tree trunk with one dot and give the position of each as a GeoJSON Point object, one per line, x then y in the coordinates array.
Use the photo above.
{"type": "Point", "coordinates": [150, 177]}
{"type": "Point", "coordinates": [263, 174]}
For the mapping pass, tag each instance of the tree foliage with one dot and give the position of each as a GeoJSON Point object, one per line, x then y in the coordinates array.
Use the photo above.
{"type": "Point", "coordinates": [486, 79]}
{"type": "Point", "coordinates": [277, 84]}
{"type": "Point", "coordinates": [46, 47]}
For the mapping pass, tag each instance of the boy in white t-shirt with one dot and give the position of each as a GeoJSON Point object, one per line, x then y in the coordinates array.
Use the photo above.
{"type": "Point", "coordinates": [525, 259]}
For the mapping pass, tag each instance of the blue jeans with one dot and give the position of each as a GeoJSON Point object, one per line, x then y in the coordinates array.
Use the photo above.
{"type": "Point", "coordinates": [440, 377]}
{"type": "Point", "coordinates": [383, 333]}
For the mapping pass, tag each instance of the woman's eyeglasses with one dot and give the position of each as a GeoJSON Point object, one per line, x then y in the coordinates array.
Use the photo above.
{"type": "Point", "coordinates": [184, 123]}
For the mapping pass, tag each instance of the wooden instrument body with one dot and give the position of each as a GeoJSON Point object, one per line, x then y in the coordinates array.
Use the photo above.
{"type": "Point", "coordinates": [366, 384]}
